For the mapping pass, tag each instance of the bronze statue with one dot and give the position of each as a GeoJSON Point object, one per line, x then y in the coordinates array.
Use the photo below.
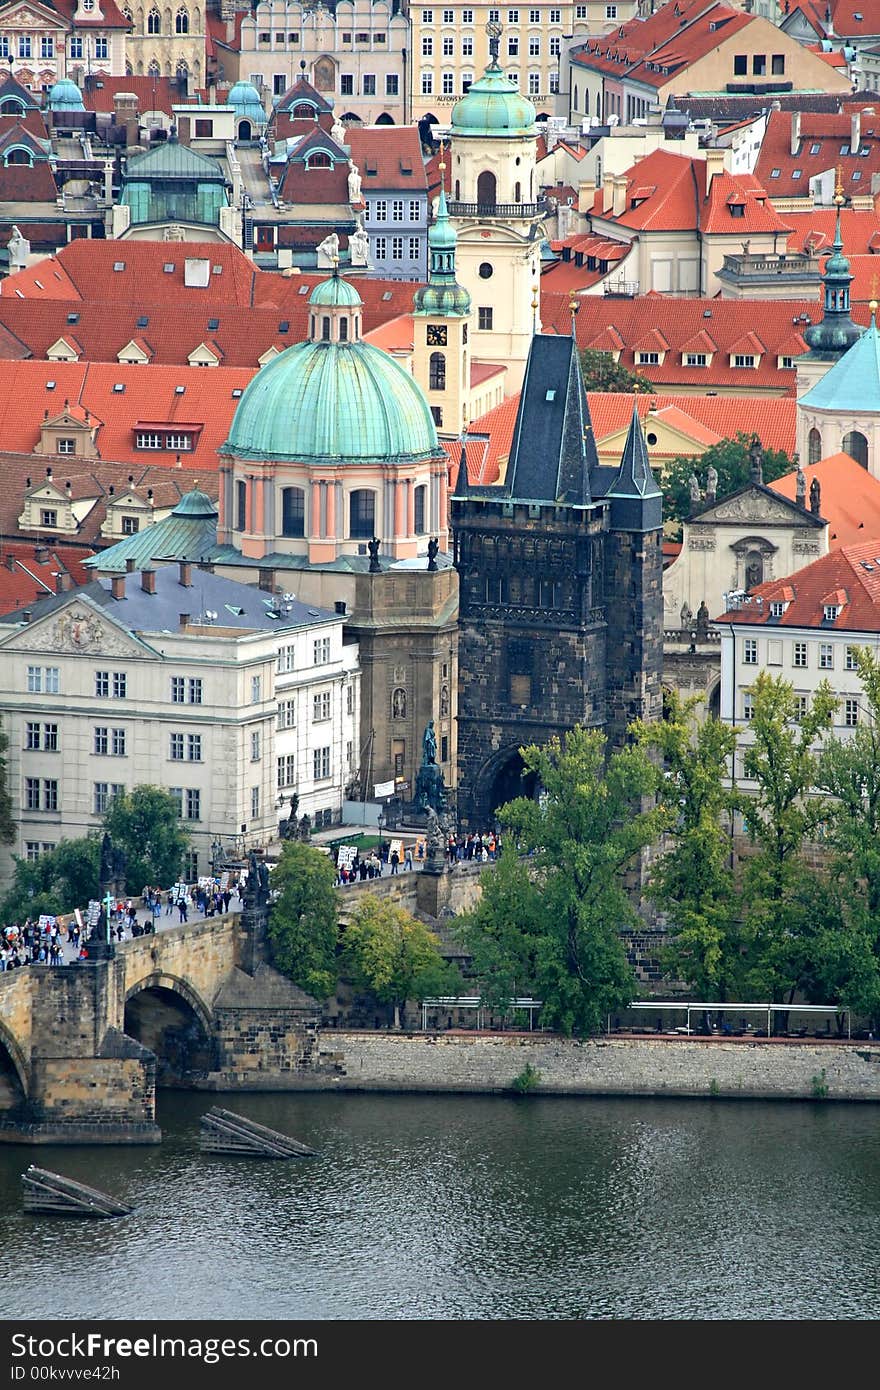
{"type": "Point", "coordinates": [433, 547]}
{"type": "Point", "coordinates": [373, 551]}
{"type": "Point", "coordinates": [756, 460]}
{"type": "Point", "coordinates": [815, 496]}
{"type": "Point", "coordinates": [429, 743]}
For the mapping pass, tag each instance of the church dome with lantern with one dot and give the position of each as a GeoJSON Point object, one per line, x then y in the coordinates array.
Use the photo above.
{"type": "Point", "coordinates": [493, 106]}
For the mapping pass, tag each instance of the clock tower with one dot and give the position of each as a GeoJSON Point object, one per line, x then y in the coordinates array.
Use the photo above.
{"type": "Point", "coordinates": [441, 319]}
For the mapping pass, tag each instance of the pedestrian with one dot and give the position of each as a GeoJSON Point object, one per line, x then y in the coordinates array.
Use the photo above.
{"type": "Point", "coordinates": [395, 861]}
{"type": "Point", "coordinates": [182, 909]}
{"type": "Point", "coordinates": [407, 857]}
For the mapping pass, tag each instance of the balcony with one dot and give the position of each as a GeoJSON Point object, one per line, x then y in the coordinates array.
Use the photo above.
{"type": "Point", "coordinates": [501, 210]}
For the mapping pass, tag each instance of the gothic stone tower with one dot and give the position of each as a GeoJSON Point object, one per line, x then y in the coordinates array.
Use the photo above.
{"type": "Point", "coordinates": [560, 599]}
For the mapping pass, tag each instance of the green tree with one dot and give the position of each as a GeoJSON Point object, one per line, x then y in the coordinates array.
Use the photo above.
{"type": "Point", "coordinates": [584, 831]}
{"type": "Point", "coordinates": [782, 816]}
{"type": "Point", "coordinates": [394, 956]}
{"type": "Point", "coordinates": [502, 954]}
{"type": "Point", "coordinates": [145, 824]}
{"type": "Point", "coordinates": [730, 459]}
{"type": "Point", "coordinates": [60, 880]}
{"type": "Point", "coordinates": [692, 880]}
{"type": "Point", "coordinates": [7, 824]}
{"type": "Point", "coordinates": [602, 373]}
{"type": "Point", "coordinates": [304, 920]}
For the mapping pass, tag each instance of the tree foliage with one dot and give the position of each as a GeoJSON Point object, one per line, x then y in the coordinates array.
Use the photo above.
{"type": "Point", "coordinates": [60, 880]}
{"type": "Point", "coordinates": [560, 923]}
{"type": "Point", "coordinates": [602, 373]}
{"type": "Point", "coordinates": [730, 459]}
{"type": "Point", "coordinates": [394, 956]}
{"type": "Point", "coordinates": [145, 824]}
{"type": "Point", "coordinates": [692, 879]}
{"type": "Point", "coordinates": [7, 824]}
{"type": "Point", "coordinates": [304, 920]}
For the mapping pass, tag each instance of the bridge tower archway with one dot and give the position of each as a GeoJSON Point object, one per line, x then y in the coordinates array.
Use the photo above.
{"type": "Point", "coordinates": [14, 1082]}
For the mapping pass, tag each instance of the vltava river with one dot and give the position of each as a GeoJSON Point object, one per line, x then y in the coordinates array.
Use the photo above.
{"type": "Point", "coordinates": [467, 1207]}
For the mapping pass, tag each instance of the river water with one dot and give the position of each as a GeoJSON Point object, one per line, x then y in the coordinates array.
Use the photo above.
{"type": "Point", "coordinates": [466, 1207]}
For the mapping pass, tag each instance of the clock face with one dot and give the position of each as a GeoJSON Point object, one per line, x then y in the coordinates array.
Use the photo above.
{"type": "Point", "coordinates": [436, 335]}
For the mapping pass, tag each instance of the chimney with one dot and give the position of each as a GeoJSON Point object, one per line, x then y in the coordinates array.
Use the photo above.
{"type": "Point", "coordinates": [27, 615]}
{"type": "Point", "coordinates": [586, 194]}
{"type": "Point", "coordinates": [63, 582]}
{"type": "Point", "coordinates": [619, 203]}
{"type": "Point", "coordinates": [267, 581]}
{"type": "Point", "coordinates": [714, 165]}
{"type": "Point", "coordinates": [795, 131]}
{"type": "Point", "coordinates": [68, 489]}
{"type": "Point", "coordinates": [148, 581]}
{"type": "Point", "coordinates": [183, 619]}
{"type": "Point", "coordinates": [855, 132]}
{"type": "Point", "coordinates": [607, 192]}
{"type": "Point", "coordinates": [49, 473]}
{"type": "Point", "coordinates": [9, 561]}
{"type": "Point", "coordinates": [117, 586]}
{"type": "Point", "coordinates": [41, 554]}
{"type": "Point", "coordinates": [129, 565]}
{"type": "Point", "coordinates": [185, 577]}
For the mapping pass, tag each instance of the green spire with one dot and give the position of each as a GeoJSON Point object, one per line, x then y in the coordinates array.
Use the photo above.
{"type": "Point", "coordinates": [442, 295]}
{"type": "Point", "coordinates": [836, 332]}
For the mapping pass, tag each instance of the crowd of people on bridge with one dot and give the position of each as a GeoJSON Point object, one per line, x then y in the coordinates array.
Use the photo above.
{"type": "Point", "coordinates": [394, 856]}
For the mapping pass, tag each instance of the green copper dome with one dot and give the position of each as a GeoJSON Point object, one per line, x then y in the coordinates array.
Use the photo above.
{"type": "Point", "coordinates": [443, 295]}
{"type": "Point", "coordinates": [195, 504]}
{"type": "Point", "coordinates": [335, 293]}
{"type": "Point", "coordinates": [246, 100]}
{"type": "Point", "coordinates": [853, 383]}
{"type": "Point", "coordinates": [64, 95]}
{"type": "Point", "coordinates": [493, 106]}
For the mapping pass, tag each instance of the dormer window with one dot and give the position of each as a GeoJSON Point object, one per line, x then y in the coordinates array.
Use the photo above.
{"type": "Point", "coordinates": [737, 209]}
{"type": "Point", "coordinates": [318, 160]}
{"type": "Point", "coordinates": [48, 518]}
{"type": "Point", "coordinates": [777, 608]}
{"type": "Point", "coordinates": [831, 612]}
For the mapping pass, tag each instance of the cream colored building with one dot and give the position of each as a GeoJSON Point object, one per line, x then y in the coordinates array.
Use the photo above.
{"type": "Point", "coordinates": [166, 40]}
{"type": "Point", "coordinates": [178, 678]}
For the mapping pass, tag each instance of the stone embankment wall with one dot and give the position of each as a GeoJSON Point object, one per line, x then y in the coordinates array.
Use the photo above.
{"type": "Point", "coordinates": [602, 1066]}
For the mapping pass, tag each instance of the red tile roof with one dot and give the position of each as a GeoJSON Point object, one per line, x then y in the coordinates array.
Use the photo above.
{"type": "Point", "coordinates": [388, 157]}
{"type": "Point", "coordinates": [850, 498]}
{"type": "Point", "coordinates": [667, 192]}
{"type": "Point", "coordinates": [694, 41]}
{"type": "Point", "coordinates": [830, 135]}
{"type": "Point", "coordinates": [153, 93]}
{"type": "Point", "coordinates": [20, 561]}
{"type": "Point", "coordinates": [602, 322]}
{"type": "Point", "coordinates": [855, 569]}
{"type": "Point", "coordinates": [111, 16]}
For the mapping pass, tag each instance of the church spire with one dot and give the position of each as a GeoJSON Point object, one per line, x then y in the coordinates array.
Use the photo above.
{"type": "Point", "coordinates": [442, 295]}
{"type": "Point", "coordinates": [461, 482]}
{"type": "Point", "coordinates": [636, 500]}
{"type": "Point", "coordinates": [836, 332]}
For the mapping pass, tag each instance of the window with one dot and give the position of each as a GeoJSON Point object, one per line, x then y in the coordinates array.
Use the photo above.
{"type": "Point", "coordinates": [255, 746]}
{"type": "Point", "coordinates": [467, 46]}
{"type": "Point", "coordinates": [695, 359]}
{"type": "Point", "coordinates": [830, 612]}
{"type": "Point", "coordinates": [181, 22]}
{"type": "Point", "coordinates": [48, 518]}
{"type": "Point", "coordinates": [849, 660]}
{"type": "Point", "coordinates": [255, 802]}
{"type": "Point", "coordinates": [397, 210]}
{"type": "Point", "coordinates": [193, 803]}
{"type": "Point", "coordinates": [850, 713]}
{"type": "Point", "coordinates": [427, 46]}
{"type": "Point", "coordinates": [293, 511]}
{"type": "Point", "coordinates": [178, 690]}
{"type": "Point", "coordinates": [286, 772]}
{"type": "Point", "coordinates": [759, 64]}
{"type": "Point", "coordinates": [194, 747]}
{"type": "Point", "coordinates": [154, 23]}
{"type": "Point", "coordinates": [349, 699]}
{"type": "Point", "coordinates": [320, 706]}
{"type": "Point", "coordinates": [648, 359]}
{"type": "Point", "coordinates": [420, 495]}
{"type": "Point", "coordinates": [513, 46]}
{"type": "Point", "coordinates": [321, 647]}
{"type": "Point", "coordinates": [748, 705]}
{"type": "Point", "coordinates": [777, 64]}
{"type": "Point", "coordinates": [448, 84]}
{"type": "Point", "coordinates": [32, 793]}
{"type": "Point", "coordinates": [380, 210]}
{"type": "Point", "coordinates": [484, 318]}
{"type": "Point", "coordinates": [24, 46]}
{"type": "Point", "coordinates": [826, 656]}
{"type": "Point", "coordinates": [534, 16]}
{"type": "Point", "coordinates": [580, 11]}
{"type": "Point", "coordinates": [32, 735]}
{"type": "Point", "coordinates": [555, 16]}
{"type": "Point", "coordinates": [437, 371]}
{"type": "Point", "coordinates": [47, 46]}
{"type": "Point", "coordinates": [120, 683]}
{"type": "Point", "coordinates": [50, 794]}
{"type": "Point", "coordinates": [361, 514]}
{"type": "Point", "coordinates": [448, 46]}
{"type": "Point", "coordinates": [774, 173]}
{"type": "Point", "coordinates": [117, 743]}
{"type": "Point", "coordinates": [427, 83]}
{"type": "Point", "coordinates": [467, 16]}
{"type": "Point", "coordinates": [101, 742]}
{"type": "Point", "coordinates": [176, 794]}
{"type": "Point", "coordinates": [50, 738]}
{"type": "Point", "coordinates": [777, 608]}
{"type": "Point", "coordinates": [795, 174]}
{"type": "Point", "coordinates": [513, 16]}
{"type": "Point", "coordinates": [102, 48]}
{"type": "Point", "coordinates": [494, 16]}
{"type": "Point", "coordinates": [534, 90]}
{"type": "Point", "coordinates": [320, 763]}
{"type": "Point", "coordinates": [102, 684]}
{"type": "Point", "coordinates": [204, 128]}
{"type": "Point", "coordinates": [101, 798]}
{"type": "Point", "coordinates": [256, 689]}
{"type": "Point", "coordinates": [148, 439]}
{"type": "Point", "coordinates": [534, 46]}
{"type": "Point", "coordinates": [744, 359]}
{"type": "Point", "coordinates": [801, 707]}
{"type": "Point", "coordinates": [610, 11]}
{"type": "Point", "coordinates": [76, 46]}
{"type": "Point", "coordinates": [750, 651]}
{"type": "Point", "coordinates": [369, 84]}
{"type": "Point", "coordinates": [392, 84]}
{"type": "Point", "coordinates": [381, 244]}
{"type": "Point", "coordinates": [195, 690]}
{"type": "Point", "coordinates": [740, 65]}
{"type": "Point", "coordinates": [414, 248]}
{"type": "Point", "coordinates": [397, 248]}
{"type": "Point", "coordinates": [346, 84]}
{"type": "Point", "coordinates": [800, 654]}
{"type": "Point", "coordinates": [176, 748]}
{"type": "Point", "coordinates": [286, 714]}
{"type": "Point", "coordinates": [427, 16]}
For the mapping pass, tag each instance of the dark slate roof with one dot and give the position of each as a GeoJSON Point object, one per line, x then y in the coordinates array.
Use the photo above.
{"type": "Point", "coordinates": [237, 605]}
{"type": "Point", "coordinates": [636, 500]}
{"type": "Point", "coordinates": [553, 451]}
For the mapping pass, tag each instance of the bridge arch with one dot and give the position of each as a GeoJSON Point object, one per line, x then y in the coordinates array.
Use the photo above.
{"type": "Point", "coordinates": [500, 779]}
{"type": "Point", "coordinates": [169, 1017]}
{"type": "Point", "coordinates": [14, 1071]}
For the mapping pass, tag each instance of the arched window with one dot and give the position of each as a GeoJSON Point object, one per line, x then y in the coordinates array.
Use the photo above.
{"type": "Point", "coordinates": [240, 506]}
{"type": "Point", "coordinates": [517, 193]}
{"type": "Point", "coordinates": [486, 188]}
{"type": "Point", "coordinates": [154, 22]}
{"type": "Point", "coordinates": [293, 511]}
{"type": "Point", "coordinates": [814, 445]}
{"type": "Point", "coordinates": [303, 112]}
{"type": "Point", "coordinates": [318, 160]}
{"type": "Point", "coordinates": [856, 445]}
{"type": "Point", "coordinates": [362, 514]}
{"type": "Point", "coordinates": [420, 501]}
{"type": "Point", "coordinates": [398, 703]}
{"type": "Point", "coordinates": [325, 328]}
{"type": "Point", "coordinates": [11, 108]}
{"type": "Point", "coordinates": [754, 570]}
{"type": "Point", "coordinates": [458, 190]}
{"type": "Point", "coordinates": [577, 98]}
{"type": "Point", "coordinates": [19, 157]}
{"type": "Point", "coordinates": [343, 330]}
{"type": "Point", "coordinates": [181, 21]}
{"type": "Point", "coordinates": [153, 70]}
{"type": "Point", "coordinates": [437, 371]}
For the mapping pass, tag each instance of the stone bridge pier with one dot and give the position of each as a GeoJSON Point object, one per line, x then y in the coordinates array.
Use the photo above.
{"type": "Point", "coordinates": [83, 1047]}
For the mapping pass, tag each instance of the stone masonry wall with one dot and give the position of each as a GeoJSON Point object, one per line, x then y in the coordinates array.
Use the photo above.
{"type": "Point", "coordinates": [601, 1066]}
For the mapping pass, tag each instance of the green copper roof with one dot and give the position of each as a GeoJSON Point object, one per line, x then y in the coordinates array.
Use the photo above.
{"type": "Point", "coordinates": [493, 106]}
{"type": "Point", "coordinates": [853, 383]}
{"type": "Point", "coordinates": [64, 95]}
{"type": "Point", "coordinates": [246, 100]}
{"type": "Point", "coordinates": [187, 533]}
{"type": "Point", "coordinates": [442, 295]}
{"type": "Point", "coordinates": [335, 293]}
{"type": "Point", "coordinates": [171, 160]}
{"type": "Point", "coordinates": [345, 402]}
{"type": "Point", "coordinates": [195, 504]}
